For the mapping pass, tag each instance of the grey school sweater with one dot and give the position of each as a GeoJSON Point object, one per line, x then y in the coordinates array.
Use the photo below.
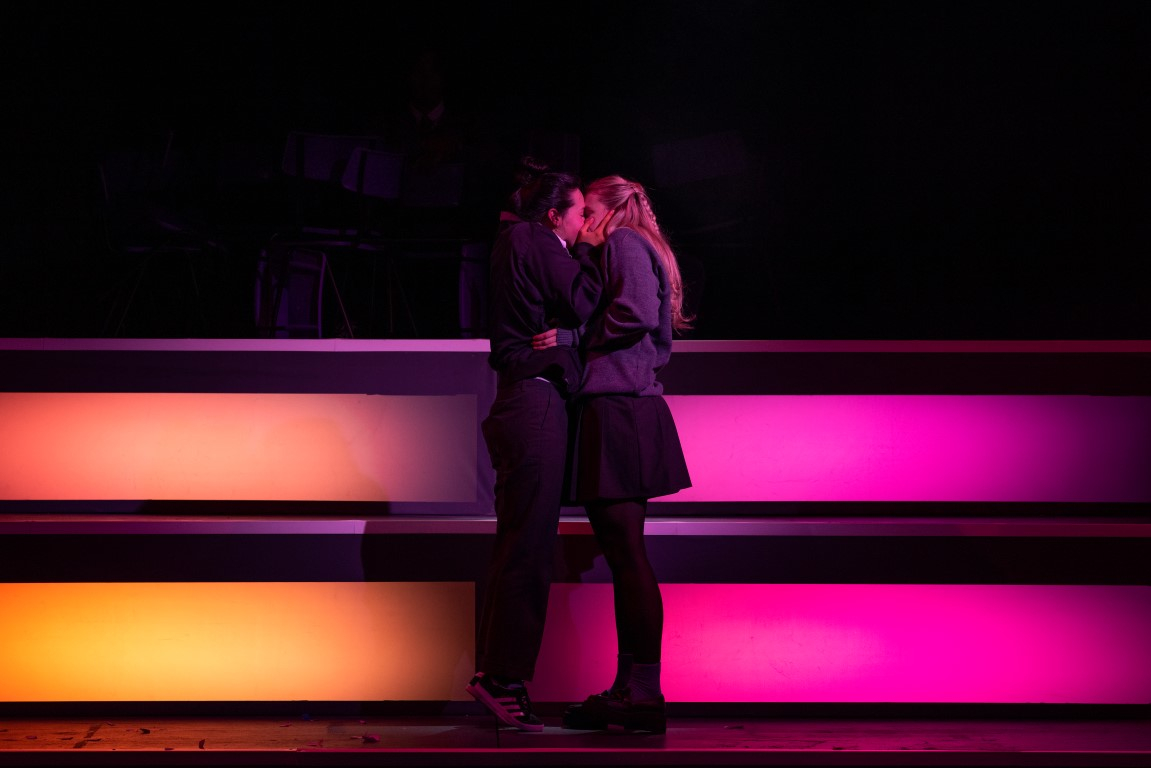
{"type": "Point", "coordinates": [628, 339]}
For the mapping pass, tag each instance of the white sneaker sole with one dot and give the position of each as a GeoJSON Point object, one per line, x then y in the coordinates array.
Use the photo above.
{"type": "Point", "coordinates": [499, 708]}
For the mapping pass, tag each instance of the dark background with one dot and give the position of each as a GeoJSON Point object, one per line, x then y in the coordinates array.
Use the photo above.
{"type": "Point", "coordinates": [906, 170]}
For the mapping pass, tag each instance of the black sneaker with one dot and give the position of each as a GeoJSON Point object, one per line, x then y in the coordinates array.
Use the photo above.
{"type": "Point", "coordinates": [511, 704]}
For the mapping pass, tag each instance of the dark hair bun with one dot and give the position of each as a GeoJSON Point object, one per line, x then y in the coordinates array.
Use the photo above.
{"type": "Point", "coordinates": [529, 170]}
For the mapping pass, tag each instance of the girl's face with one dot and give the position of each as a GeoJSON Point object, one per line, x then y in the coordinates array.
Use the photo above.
{"type": "Point", "coordinates": [569, 224]}
{"type": "Point", "coordinates": [596, 213]}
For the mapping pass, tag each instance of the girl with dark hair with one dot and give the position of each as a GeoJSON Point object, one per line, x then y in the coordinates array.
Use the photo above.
{"type": "Point", "coordinates": [535, 283]}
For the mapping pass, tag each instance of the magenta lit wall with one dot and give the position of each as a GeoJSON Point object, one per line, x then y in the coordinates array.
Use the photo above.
{"type": "Point", "coordinates": [1010, 448]}
{"type": "Point", "coordinates": [396, 426]}
{"type": "Point", "coordinates": [324, 641]}
{"type": "Point", "coordinates": [954, 643]}
{"type": "Point", "coordinates": [1005, 448]}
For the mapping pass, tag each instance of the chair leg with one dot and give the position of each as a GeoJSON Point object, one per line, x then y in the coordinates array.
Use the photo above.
{"type": "Point", "coordinates": [339, 300]}
{"type": "Point", "coordinates": [122, 303]}
{"type": "Point", "coordinates": [271, 278]}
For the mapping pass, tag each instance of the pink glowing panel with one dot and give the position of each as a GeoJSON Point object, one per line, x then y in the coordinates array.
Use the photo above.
{"type": "Point", "coordinates": [335, 447]}
{"type": "Point", "coordinates": [867, 643]}
{"type": "Point", "coordinates": [915, 448]}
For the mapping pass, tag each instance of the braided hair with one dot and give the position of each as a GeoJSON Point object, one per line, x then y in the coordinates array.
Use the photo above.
{"type": "Point", "coordinates": [633, 210]}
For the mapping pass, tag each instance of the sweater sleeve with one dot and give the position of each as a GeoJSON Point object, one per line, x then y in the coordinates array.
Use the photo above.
{"type": "Point", "coordinates": [631, 288]}
{"type": "Point", "coordinates": [580, 292]}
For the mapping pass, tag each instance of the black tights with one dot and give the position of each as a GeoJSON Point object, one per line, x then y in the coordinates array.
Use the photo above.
{"type": "Point", "coordinates": [618, 528]}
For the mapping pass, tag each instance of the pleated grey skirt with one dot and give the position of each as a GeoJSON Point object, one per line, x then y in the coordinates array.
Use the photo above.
{"type": "Point", "coordinates": [624, 447]}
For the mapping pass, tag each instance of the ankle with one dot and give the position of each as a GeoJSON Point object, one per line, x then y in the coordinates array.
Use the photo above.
{"type": "Point", "coordinates": [623, 667]}
{"type": "Point", "coordinates": [645, 682]}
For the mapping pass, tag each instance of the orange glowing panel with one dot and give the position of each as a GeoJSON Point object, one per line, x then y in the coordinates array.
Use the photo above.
{"type": "Point", "coordinates": [250, 641]}
{"type": "Point", "coordinates": [238, 446]}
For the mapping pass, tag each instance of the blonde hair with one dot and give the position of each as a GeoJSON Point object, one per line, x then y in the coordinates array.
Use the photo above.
{"type": "Point", "coordinates": [633, 209]}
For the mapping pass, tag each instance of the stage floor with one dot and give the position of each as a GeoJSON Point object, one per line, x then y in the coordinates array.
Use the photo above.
{"type": "Point", "coordinates": [474, 740]}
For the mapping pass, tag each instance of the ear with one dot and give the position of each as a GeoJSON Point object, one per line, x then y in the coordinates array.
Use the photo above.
{"type": "Point", "coordinates": [609, 224]}
{"type": "Point", "coordinates": [554, 217]}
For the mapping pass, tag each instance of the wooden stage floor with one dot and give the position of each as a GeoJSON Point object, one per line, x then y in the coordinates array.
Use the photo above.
{"type": "Point", "coordinates": [474, 740]}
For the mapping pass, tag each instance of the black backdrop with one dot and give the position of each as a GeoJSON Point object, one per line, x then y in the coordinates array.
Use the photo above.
{"type": "Point", "coordinates": [891, 170]}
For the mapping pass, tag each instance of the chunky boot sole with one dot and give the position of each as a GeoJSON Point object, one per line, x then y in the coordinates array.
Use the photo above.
{"type": "Point", "coordinates": [576, 718]}
{"type": "Point", "coordinates": [593, 717]}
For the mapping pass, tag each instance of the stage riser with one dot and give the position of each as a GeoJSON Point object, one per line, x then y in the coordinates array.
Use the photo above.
{"type": "Point", "coordinates": [232, 521]}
